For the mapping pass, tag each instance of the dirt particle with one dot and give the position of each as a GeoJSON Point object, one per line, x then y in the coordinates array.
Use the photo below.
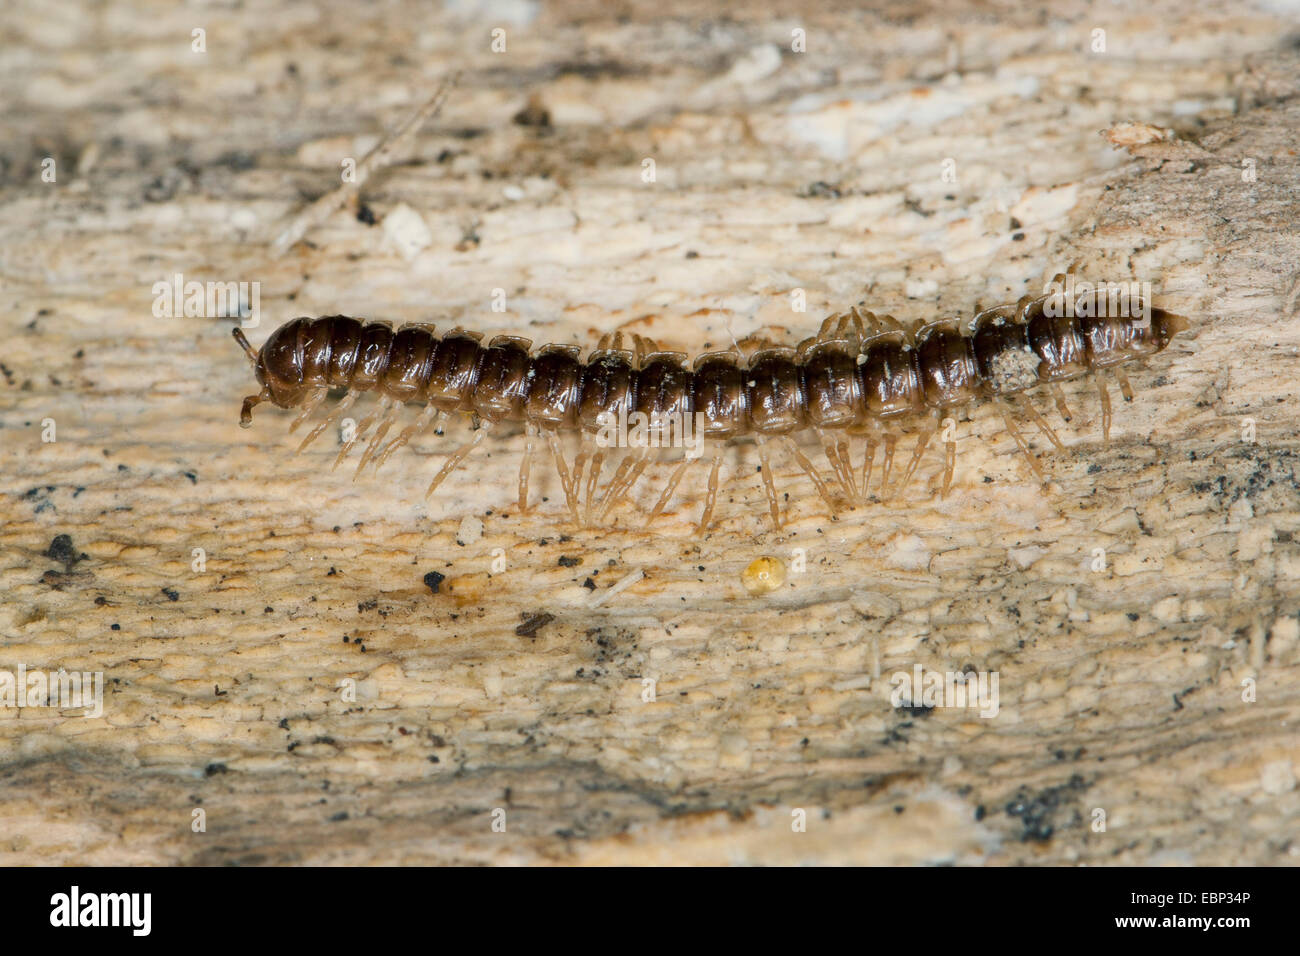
{"type": "Point", "coordinates": [534, 114]}
{"type": "Point", "coordinates": [61, 550]}
{"type": "Point", "coordinates": [533, 622]}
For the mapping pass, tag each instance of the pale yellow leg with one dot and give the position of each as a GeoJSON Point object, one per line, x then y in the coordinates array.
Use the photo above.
{"type": "Point", "coordinates": [891, 442]}
{"type": "Point", "coordinates": [1125, 386]}
{"type": "Point", "coordinates": [525, 466]}
{"type": "Point", "coordinates": [362, 427]}
{"type": "Point", "coordinates": [711, 496]}
{"type": "Point", "coordinates": [949, 466]}
{"type": "Point", "coordinates": [671, 487]}
{"type": "Point", "coordinates": [922, 441]}
{"type": "Point", "coordinates": [1058, 396]}
{"type": "Point", "coordinates": [1105, 410]}
{"type": "Point", "coordinates": [593, 476]}
{"type": "Point", "coordinates": [844, 451]}
{"type": "Point", "coordinates": [868, 462]}
{"type": "Point", "coordinates": [430, 417]}
{"type": "Point", "coordinates": [612, 497]}
{"type": "Point", "coordinates": [459, 455]}
{"type": "Point", "coordinates": [345, 403]}
{"type": "Point", "coordinates": [837, 455]}
{"type": "Point", "coordinates": [378, 437]}
{"type": "Point", "coordinates": [312, 403]}
{"type": "Point", "coordinates": [1014, 432]}
{"type": "Point", "coordinates": [579, 465]}
{"type": "Point", "coordinates": [811, 472]}
{"type": "Point", "coordinates": [1041, 422]}
{"type": "Point", "coordinates": [624, 466]}
{"type": "Point", "coordinates": [769, 485]}
{"type": "Point", "coordinates": [570, 495]}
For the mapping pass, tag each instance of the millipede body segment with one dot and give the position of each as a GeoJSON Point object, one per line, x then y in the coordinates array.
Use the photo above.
{"type": "Point", "coordinates": [862, 374]}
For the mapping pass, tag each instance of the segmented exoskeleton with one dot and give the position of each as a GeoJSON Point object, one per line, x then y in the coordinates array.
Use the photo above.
{"type": "Point", "coordinates": [862, 374]}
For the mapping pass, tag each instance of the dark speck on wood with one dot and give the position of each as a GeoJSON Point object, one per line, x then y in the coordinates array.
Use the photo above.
{"type": "Point", "coordinates": [534, 622]}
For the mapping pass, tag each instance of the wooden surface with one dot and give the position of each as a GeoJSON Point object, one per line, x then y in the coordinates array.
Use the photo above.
{"type": "Point", "coordinates": [1120, 690]}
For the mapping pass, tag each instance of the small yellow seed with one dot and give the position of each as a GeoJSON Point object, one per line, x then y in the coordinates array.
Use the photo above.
{"type": "Point", "coordinates": [763, 576]}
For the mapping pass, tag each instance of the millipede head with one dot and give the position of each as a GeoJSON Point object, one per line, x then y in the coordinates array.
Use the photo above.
{"type": "Point", "coordinates": [279, 354]}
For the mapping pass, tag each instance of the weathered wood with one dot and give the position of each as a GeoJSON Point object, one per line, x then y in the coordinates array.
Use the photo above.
{"type": "Point", "coordinates": [1121, 690]}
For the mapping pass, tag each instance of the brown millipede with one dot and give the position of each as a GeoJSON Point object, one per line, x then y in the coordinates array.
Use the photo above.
{"type": "Point", "coordinates": [862, 374]}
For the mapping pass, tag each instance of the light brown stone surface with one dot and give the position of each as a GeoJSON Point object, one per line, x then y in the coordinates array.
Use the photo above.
{"type": "Point", "coordinates": [1120, 690]}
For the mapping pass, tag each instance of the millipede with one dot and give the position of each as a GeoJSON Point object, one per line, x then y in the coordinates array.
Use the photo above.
{"type": "Point", "coordinates": [862, 375]}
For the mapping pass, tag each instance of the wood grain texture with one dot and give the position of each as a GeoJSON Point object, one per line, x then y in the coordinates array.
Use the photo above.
{"type": "Point", "coordinates": [1120, 690]}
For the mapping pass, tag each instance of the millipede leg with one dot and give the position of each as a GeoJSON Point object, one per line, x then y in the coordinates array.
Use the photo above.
{"type": "Point", "coordinates": [624, 466]}
{"type": "Point", "coordinates": [459, 455]}
{"type": "Point", "coordinates": [673, 482]}
{"type": "Point", "coordinates": [1058, 396]}
{"type": "Point", "coordinates": [769, 485]}
{"type": "Point", "coordinates": [711, 496]}
{"type": "Point", "coordinates": [949, 466]}
{"type": "Point", "coordinates": [639, 461]}
{"type": "Point", "coordinates": [1105, 410]}
{"type": "Point", "coordinates": [1125, 386]}
{"type": "Point", "coordinates": [922, 441]}
{"type": "Point", "coordinates": [362, 427]}
{"type": "Point", "coordinates": [811, 472]}
{"type": "Point", "coordinates": [891, 442]}
{"type": "Point", "coordinates": [1022, 307]}
{"type": "Point", "coordinates": [389, 420]}
{"type": "Point", "coordinates": [526, 464]}
{"type": "Point", "coordinates": [579, 464]}
{"type": "Point", "coordinates": [837, 455]}
{"type": "Point", "coordinates": [593, 476]}
{"type": "Point", "coordinates": [1014, 432]}
{"type": "Point", "coordinates": [846, 464]}
{"type": "Point", "coordinates": [868, 322]}
{"type": "Point", "coordinates": [344, 404]}
{"type": "Point", "coordinates": [1041, 422]}
{"type": "Point", "coordinates": [637, 470]}
{"type": "Point", "coordinates": [431, 416]}
{"type": "Point", "coordinates": [570, 495]}
{"type": "Point", "coordinates": [867, 462]}
{"type": "Point", "coordinates": [312, 403]}
{"type": "Point", "coordinates": [858, 329]}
